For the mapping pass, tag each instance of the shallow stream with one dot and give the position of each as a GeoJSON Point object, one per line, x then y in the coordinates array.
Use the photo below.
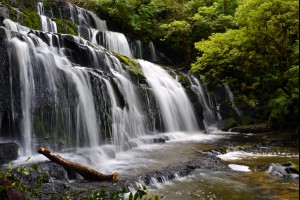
{"type": "Point", "coordinates": [246, 180]}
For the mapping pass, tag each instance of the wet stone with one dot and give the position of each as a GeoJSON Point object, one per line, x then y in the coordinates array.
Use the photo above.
{"type": "Point", "coordinates": [283, 170]}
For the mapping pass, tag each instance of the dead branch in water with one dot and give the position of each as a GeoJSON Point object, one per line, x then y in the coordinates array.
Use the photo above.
{"type": "Point", "coordinates": [86, 172]}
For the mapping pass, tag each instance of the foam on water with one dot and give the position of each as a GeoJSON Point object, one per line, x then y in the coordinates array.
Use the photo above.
{"type": "Point", "coordinates": [241, 168]}
{"type": "Point", "coordinates": [239, 155]}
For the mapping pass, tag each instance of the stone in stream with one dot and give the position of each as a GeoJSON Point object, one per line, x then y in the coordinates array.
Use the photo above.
{"type": "Point", "coordinates": [283, 170]}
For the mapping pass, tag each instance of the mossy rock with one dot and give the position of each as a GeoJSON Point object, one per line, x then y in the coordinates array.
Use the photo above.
{"type": "Point", "coordinates": [183, 80]}
{"type": "Point", "coordinates": [65, 26]}
{"type": "Point", "coordinates": [226, 124]}
{"type": "Point", "coordinates": [254, 128]}
{"type": "Point", "coordinates": [132, 65]}
{"type": "Point", "coordinates": [245, 120]}
{"type": "Point", "coordinates": [31, 19]}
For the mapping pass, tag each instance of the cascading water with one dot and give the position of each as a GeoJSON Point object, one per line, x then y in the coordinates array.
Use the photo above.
{"type": "Point", "coordinates": [98, 33]}
{"type": "Point", "coordinates": [117, 42]}
{"type": "Point", "coordinates": [47, 24]}
{"type": "Point", "coordinates": [231, 99]}
{"type": "Point", "coordinates": [20, 52]}
{"type": "Point", "coordinates": [77, 95]}
{"type": "Point", "coordinates": [176, 109]}
{"type": "Point", "coordinates": [210, 115]}
{"type": "Point", "coordinates": [55, 68]}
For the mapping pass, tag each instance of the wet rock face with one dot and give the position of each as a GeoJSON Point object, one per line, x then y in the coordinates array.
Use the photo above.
{"type": "Point", "coordinates": [8, 152]}
{"type": "Point", "coordinates": [4, 75]}
{"type": "Point", "coordinates": [283, 170]}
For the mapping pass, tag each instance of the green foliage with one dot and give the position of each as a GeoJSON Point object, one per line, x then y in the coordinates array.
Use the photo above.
{"type": "Point", "coordinates": [216, 18]}
{"type": "Point", "coordinates": [285, 102]}
{"type": "Point", "coordinates": [140, 194]}
{"type": "Point", "coordinates": [254, 57]}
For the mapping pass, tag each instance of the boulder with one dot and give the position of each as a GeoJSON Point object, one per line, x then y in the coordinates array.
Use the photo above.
{"type": "Point", "coordinates": [8, 152]}
{"type": "Point", "coordinates": [283, 170]}
{"type": "Point", "coordinates": [8, 192]}
{"type": "Point", "coordinates": [254, 128]}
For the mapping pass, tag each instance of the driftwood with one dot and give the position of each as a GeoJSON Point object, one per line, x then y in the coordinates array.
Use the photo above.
{"type": "Point", "coordinates": [85, 172]}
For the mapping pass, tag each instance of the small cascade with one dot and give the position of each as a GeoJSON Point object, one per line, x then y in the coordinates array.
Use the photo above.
{"type": "Point", "coordinates": [154, 56]}
{"type": "Point", "coordinates": [113, 41]}
{"type": "Point", "coordinates": [231, 99]}
{"type": "Point", "coordinates": [10, 25]}
{"type": "Point", "coordinates": [47, 24]}
{"type": "Point", "coordinates": [20, 53]}
{"type": "Point", "coordinates": [175, 107]}
{"type": "Point", "coordinates": [210, 115]}
{"type": "Point", "coordinates": [133, 125]}
{"type": "Point", "coordinates": [137, 49]}
{"type": "Point", "coordinates": [100, 24]}
{"type": "Point", "coordinates": [117, 42]}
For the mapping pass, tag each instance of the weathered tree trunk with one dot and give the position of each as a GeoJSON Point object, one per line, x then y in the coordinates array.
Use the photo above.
{"type": "Point", "coordinates": [85, 172]}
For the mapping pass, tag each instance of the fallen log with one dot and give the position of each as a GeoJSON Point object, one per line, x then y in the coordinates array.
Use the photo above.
{"type": "Point", "coordinates": [86, 172]}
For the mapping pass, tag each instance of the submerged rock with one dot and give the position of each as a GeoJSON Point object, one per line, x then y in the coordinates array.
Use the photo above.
{"type": "Point", "coordinates": [206, 161]}
{"type": "Point", "coordinates": [283, 170]}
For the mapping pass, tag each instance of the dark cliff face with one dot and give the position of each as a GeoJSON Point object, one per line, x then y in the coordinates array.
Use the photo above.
{"type": "Point", "coordinates": [4, 75]}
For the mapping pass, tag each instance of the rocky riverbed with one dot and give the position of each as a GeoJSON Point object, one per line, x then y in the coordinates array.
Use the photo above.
{"type": "Point", "coordinates": [48, 180]}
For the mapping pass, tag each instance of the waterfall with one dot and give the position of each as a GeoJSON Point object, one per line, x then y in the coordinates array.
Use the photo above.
{"type": "Point", "coordinates": [70, 94]}
{"type": "Point", "coordinates": [15, 26]}
{"type": "Point", "coordinates": [41, 65]}
{"type": "Point", "coordinates": [210, 114]}
{"type": "Point", "coordinates": [231, 99]}
{"type": "Point", "coordinates": [134, 124]}
{"type": "Point", "coordinates": [20, 53]}
{"type": "Point", "coordinates": [47, 24]}
{"type": "Point", "coordinates": [100, 24]}
{"type": "Point", "coordinates": [175, 107]}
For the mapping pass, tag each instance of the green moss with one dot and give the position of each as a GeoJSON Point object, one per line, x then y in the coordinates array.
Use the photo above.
{"type": "Point", "coordinates": [13, 14]}
{"type": "Point", "coordinates": [65, 26]}
{"type": "Point", "coordinates": [31, 19]}
{"type": "Point", "coordinates": [183, 80]}
{"type": "Point", "coordinates": [131, 64]}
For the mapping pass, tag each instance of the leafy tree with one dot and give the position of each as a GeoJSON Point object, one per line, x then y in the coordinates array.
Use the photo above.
{"type": "Point", "coordinates": [255, 56]}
